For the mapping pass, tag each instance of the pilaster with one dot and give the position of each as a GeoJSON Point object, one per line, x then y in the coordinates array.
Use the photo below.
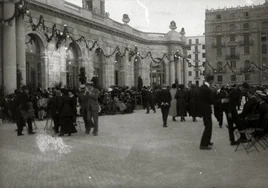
{"type": "Point", "coordinates": [9, 51]}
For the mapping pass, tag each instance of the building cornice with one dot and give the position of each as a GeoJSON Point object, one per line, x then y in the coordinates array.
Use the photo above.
{"type": "Point", "coordinates": [41, 7]}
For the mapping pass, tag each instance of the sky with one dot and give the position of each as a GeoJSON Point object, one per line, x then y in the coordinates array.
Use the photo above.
{"type": "Point", "coordinates": [155, 15]}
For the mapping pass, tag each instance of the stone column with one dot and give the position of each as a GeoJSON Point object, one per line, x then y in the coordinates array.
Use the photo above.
{"type": "Point", "coordinates": [126, 70]}
{"type": "Point", "coordinates": [172, 73]}
{"type": "Point", "coordinates": [9, 51]}
{"type": "Point", "coordinates": [1, 46]}
{"type": "Point", "coordinates": [44, 70]}
{"type": "Point", "coordinates": [21, 59]}
{"type": "Point", "coordinates": [179, 69]}
{"type": "Point", "coordinates": [167, 73]}
{"type": "Point", "coordinates": [184, 72]}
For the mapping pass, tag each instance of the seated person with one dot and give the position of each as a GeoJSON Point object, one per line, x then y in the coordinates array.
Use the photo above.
{"type": "Point", "coordinates": [120, 104]}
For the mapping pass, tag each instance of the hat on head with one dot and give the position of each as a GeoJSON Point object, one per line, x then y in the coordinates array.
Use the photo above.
{"type": "Point", "coordinates": [245, 85]}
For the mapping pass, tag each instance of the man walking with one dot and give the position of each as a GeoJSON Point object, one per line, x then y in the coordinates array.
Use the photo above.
{"type": "Point", "coordinates": [93, 111]}
{"type": "Point", "coordinates": [206, 100]}
{"type": "Point", "coordinates": [164, 99]}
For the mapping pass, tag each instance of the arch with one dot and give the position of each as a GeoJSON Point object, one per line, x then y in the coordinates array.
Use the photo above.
{"type": "Point", "coordinates": [39, 36]}
{"type": "Point", "coordinates": [157, 73]}
{"type": "Point", "coordinates": [246, 26]}
{"type": "Point", "coordinates": [98, 62]}
{"type": "Point", "coordinates": [264, 25]}
{"type": "Point", "coordinates": [35, 69]}
{"type": "Point", "coordinates": [219, 65]}
{"type": "Point", "coordinates": [73, 53]}
{"type": "Point", "coordinates": [137, 66]}
{"type": "Point", "coordinates": [118, 70]}
{"type": "Point", "coordinates": [247, 64]}
{"type": "Point", "coordinates": [232, 27]}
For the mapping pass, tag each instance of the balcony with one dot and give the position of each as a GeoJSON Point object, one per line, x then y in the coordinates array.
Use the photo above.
{"type": "Point", "coordinates": [248, 43]}
{"type": "Point", "coordinates": [233, 57]}
{"type": "Point", "coordinates": [220, 71]}
{"type": "Point", "coordinates": [215, 45]}
{"type": "Point", "coordinates": [247, 70]}
{"type": "Point", "coordinates": [233, 43]}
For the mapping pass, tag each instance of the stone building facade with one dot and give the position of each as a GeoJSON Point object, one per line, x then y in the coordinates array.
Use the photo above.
{"type": "Point", "coordinates": [237, 36]}
{"type": "Point", "coordinates": [34, 54]}
{"type": "Point", "coordinates": [197, 58]}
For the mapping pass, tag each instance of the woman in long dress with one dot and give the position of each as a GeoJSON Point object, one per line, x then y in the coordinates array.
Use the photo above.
{"type": "Point", "coordinates": [173, 106]}
{"type": "Point", "coordinates": [181, 97]}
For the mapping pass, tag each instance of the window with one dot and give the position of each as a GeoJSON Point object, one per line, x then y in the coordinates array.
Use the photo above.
{"type": "Point", "coordinates": [232, 27]}
{"type": "Point", "coordinates": [219, 65]}
{"type": "Point", "coordinates": [190, 73]}
{"type": "Point", "coordinates": [232, 38]}
{"type": "Point", "coordinates": [232, 51]}
{"type": "Point", "coordinates": [89, 4]}
{"type": "Point", "coordinates": [196, 74]}
{"type": "Point", "coordinates": [245, 26]}
{"type": "Point", "coordinates": [189, 56]}
{"type": "Point", "coordinates": [247, 64]}
{"type": "Point", "coordinates": [219, 52]}
{"type": "Point", "coordinates": [196, 41]}
{"type": "Point", "coordinates": [246, 39]}
{"type": "Point", "coordinates": [204, 55]}
{"type": "Point", "coordinates": [196, 49]}
{"type": "Point", "coordinates": [190, 41]}
{"type": "Point", "coordinates": [203, 47]}
{"type": "Point", "coordinates": [218, 40]}
{"type": "Point", "coordinates": [264, 49]}
{"type": "Point", "coordinates": [264, 62]}
{"type": "Point", "coordinates": [219, 78]}
{"type": "Point", "coordinates": [247, 77]}
{"type": "Point", "coordinates": [196, 57]}
{"type": "Point", "coordinates": [246, 50]}
{"type": "Point", "coordinates": [218, 17]}
{"type": "Point", "coordinates": [218, 28]}
{"type": "Point", "coordinates": [232, 15]}
{"type": "Point", "coordinates": [246, 14]}
{"type": "Point", "coordinates": [190, 83]}
{"type": "Point", "coordinates": [233, 78]}
{"type": "Point", "coordinates": [102, 8]}
{"type": "Point", "coordinates": [233, 64]}
{"type": "Point", "coordinates": [263, 37]}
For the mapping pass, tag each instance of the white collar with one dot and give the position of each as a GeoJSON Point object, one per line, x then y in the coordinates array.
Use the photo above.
{"type": "Point", "coordinates": [206, 83]}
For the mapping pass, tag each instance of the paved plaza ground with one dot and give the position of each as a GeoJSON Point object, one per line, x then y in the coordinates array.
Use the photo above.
{"type": "Point", "coordinates": [131, 151]}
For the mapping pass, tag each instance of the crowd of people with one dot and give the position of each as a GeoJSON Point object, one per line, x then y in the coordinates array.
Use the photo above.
{"type": "Point", "coordinates": [63, 106]}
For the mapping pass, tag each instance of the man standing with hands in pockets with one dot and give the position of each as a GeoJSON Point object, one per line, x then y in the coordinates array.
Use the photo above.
{"type": "Point", "coordinates": [93, 111]}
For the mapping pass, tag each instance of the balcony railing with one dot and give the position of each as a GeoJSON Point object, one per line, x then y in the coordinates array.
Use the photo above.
{"type": "Point", "coordinates": [248, 43]}
{"type": "Point", "coordinates": [233, 43]}
{"type": "Point", "coordinates": [233, 57]}
{"type": "Point", "coordinates": [220, 71]}
{"type": "Point", "coordinates": [247, 69]}
{"type": "Point", "coordinates": [216, 45]}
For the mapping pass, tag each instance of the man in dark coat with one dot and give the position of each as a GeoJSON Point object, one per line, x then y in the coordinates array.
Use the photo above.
{"type": "Point", "coordinates": [54, 105]}
{"type": "Point", "coordinates": [206, 100]}
{"type": "Point", "coordinates": [193, 102]}
{"type": "Point", "coordinates": [24, 108]}
{"type": "Point", "coordinates": [219, 94]}
{"type": "Point", "coordinates": [165, 99]}
{"type": "Point", "coordinates": [148, 100]}
{"type": "Point", "coordinates": [181, 97]}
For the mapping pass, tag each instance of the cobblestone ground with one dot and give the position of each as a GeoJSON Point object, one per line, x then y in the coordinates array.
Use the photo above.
{"type": "Point", "coordinates": [131, 151]}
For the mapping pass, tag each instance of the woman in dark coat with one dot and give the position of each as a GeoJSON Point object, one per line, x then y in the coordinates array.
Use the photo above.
{"type": "Point", "coordinates": [181, 97]}
{"type": "Point", "coordinates": [193, 102]}
{"type": "Point", "coordinates": [67, 113]}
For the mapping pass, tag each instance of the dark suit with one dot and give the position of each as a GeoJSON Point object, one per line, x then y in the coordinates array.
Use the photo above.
{"type": "Point", "coordinates": [164, 99]}
{"type": "Point", "coordinates": [206, 100]}
{"type": "Point", "coordinates": [54, 106]}
{"type": "Point", "coordinates": [218, 107]}
{"type": "Point", "coordinates": [84, 110]}
{"type": "Point", "coordinates": [94, 108]}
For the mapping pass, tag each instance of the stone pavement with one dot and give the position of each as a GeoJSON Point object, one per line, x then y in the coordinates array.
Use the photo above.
{"type": "Point", "coordinates": [131, 151]}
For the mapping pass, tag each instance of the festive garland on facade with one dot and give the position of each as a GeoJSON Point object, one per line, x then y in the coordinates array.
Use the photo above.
{"type": "Point", "coordinates": [21, 10]}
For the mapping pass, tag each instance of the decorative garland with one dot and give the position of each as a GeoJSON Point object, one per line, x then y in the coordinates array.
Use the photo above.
{"type": "Point", "coordinates": [21, 9]}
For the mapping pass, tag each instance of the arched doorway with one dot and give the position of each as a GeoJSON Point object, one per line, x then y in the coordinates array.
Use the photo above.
{"type": "Point", "coordinates": [33, 61]}
{"type": "Point", "coordinates": [118, 70]}
{"type": "Point", "coordinates": [157, 73]}
{"type": "Point", "coordinates": [98, 66]}
{"type": "Point", "coordinates": [72, 66]}
{"type": "Point", "coordinates": [137, 64]}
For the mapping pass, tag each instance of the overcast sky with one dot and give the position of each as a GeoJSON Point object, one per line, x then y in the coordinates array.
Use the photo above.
{"type": "Point", "coordinates": [155, 15]}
